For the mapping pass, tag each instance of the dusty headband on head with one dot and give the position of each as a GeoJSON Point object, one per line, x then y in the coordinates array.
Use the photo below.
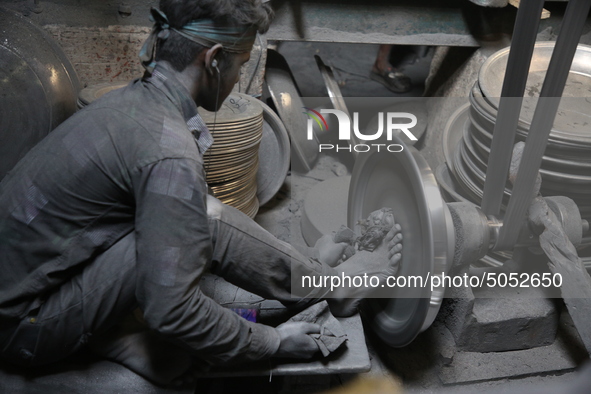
{"type": "Point", "coordinates": [204, 32]}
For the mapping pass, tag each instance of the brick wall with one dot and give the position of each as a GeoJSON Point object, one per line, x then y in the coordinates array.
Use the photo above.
{"type": "Point", "coordinates": [102, 54]}
{"type": "Point", "coordinates": [110, 54]}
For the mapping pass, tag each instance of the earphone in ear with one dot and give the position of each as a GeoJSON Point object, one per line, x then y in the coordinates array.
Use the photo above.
{"type": "Point", "coordinates": [214, 64]}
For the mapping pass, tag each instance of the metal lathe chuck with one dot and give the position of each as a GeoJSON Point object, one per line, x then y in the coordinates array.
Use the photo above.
{"type": "Point", "coordinates": [438, 237]}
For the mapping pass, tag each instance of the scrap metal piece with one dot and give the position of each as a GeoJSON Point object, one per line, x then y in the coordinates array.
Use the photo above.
{"type": "Point", "coordinates": [404, 182]}
{"type": "Point", "coordinates": [288, 102]}
{"type": "Point", "coordinates": [372, 237]}
{"type": "Point", "coordinates": [332, 86]}
{"type": "Point", "coordinates": [335, 95]}
{"type": "Point", "coordinates": [375, 228]}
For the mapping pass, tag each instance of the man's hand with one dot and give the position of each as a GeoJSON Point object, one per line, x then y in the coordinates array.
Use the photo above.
{"type": "Point", "coordinates": [330, 252]}
{"type": "Point", "coordinates": [295, 342]}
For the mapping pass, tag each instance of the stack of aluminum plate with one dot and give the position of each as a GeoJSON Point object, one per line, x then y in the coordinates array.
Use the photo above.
{"type": "Point", "coordinates": [566, 165]}
{"type": "Point", "coordinates": [244, 130]}
{"type": "Point", "coordinates": [232, 162]}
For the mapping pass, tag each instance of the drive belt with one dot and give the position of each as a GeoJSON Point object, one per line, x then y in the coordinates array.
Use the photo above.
{"type": "Point", "coordinates": [541, 125]}
{"type": "Point", "coordinates": [522, 47]}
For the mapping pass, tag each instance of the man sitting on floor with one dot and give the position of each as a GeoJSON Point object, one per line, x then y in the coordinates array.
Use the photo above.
{"type": "Point", "coordinates": [110, 212]}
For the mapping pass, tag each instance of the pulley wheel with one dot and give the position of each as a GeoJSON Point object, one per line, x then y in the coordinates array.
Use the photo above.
{"type": "Point", "coordinates": [404, 182]}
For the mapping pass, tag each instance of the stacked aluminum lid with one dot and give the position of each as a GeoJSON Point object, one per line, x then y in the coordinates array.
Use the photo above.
{"type": "Point", "coordinates": [232, 162]}
{"type": "Point", "coordinates": [566, 165]}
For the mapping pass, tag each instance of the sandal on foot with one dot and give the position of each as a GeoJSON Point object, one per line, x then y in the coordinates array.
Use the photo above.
{"type": "Point", "coordinates": [393, 80]}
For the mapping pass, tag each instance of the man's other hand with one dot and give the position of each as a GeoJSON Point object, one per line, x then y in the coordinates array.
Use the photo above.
{"type": "Point", "coordinates": [329, 251]}
{"type": "Point", "coordinates": [295, 341]}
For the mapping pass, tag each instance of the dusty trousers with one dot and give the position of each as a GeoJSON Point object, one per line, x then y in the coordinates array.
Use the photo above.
{"type": "Point", "coordinates": [102, 292]}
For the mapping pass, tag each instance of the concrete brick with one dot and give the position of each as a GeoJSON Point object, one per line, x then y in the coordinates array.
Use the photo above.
{"type": "Point", "coordinates": [474, 367]}
{"type": "Point", "coordinates": [564, 354]}
{"type": "Point", "coordinates": [502, 320]}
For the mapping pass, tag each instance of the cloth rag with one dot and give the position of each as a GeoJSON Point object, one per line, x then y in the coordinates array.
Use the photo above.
{"type": "Point", "coordinates": [332, 335]}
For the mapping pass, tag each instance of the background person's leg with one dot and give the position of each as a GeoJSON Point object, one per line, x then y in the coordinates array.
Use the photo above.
{"type": "Point", "coordinates": [385, 73]}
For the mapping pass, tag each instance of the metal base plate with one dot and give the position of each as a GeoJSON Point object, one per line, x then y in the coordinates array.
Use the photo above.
{"type": "Point", "coordinates": [325, 208]}
{"type": "Point", "coordinates": [404, 182]}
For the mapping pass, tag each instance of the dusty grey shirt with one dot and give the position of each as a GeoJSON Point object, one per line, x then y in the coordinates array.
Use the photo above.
{"type": "Point", "coordinates": [128, 162]}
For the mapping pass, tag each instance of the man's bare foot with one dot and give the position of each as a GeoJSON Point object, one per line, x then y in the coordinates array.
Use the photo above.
{"type": "Point", "coordinates": [382, 263]}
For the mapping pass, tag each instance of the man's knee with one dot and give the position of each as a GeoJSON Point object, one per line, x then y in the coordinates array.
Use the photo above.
{"type": "Point", "coordinates": [214, 207]}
